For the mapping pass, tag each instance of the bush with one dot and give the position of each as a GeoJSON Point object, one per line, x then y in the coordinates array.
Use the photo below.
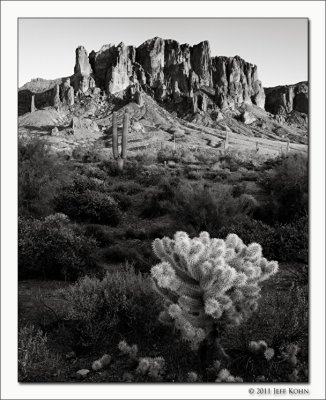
{"type": "Point", "coordinates": [283, 242]}
{"type": "Point", "coordinates": [157, 202]}
{"type": "Point", "coordinates": [53, 248]}
{"type": "Point", "coordinates": [127, 187]}
{"type": "Point", "coordinates": [34, 357]}
{"type": "Point", "coordinates": [40, 175]}
{"type": "Point", "coordinates": [169, 154]}
{"type": "Point", "coordinates": [86, 199]}
{"type": "Point", "coordinates": [137, 252]}
{"type": "Point", "coordinates": [123, 200]}
{"type": "Point", "coordinates": [123, 301]}
{"type": "Point", "coordinates": [288, 187]}
{"type": "Point", "coordinates": [151, 175]}
{"type": "Point", "coordinates": [100, 233]}
{"type": "Point", "coordinates": [199, 208]}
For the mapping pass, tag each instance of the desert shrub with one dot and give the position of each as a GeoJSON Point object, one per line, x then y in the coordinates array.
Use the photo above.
{"type": "Point", "coordinates": [157, 202]}
{"type": "Point", "coordinates": [239, 189]}
{"type": "Point", "coordinates": [127, 187]}
{"type": "Point", "coordinates": [82, 183]}
{"type": "Point", "coordinates": [123, 301]}
{"type": "Point", "coordinates": [170, 154]}
{"type": "Point", "coordinates": [154, 205]}
{"type": "Point", "coordinates": [206, 157]}
{"type": "Point", "coordinates": [34, 356]}
{"type": "Point", "coordinates": [123, 200]}
{"type": "Point", "coordinates": [222, 174]}
{"type": "Point", "coordinates": [151, 175]}
{"type": "Point", "coordinates": [282, 319]}
{"type": "Point", "coordinates": [288, 188]}
{"type": "Point", "coordinates": [110, 167]}
{"type": "Point", "coordinates": [53, 248]}
{"type": "Point", "coordinates": [92, 171]}
{"type": "Point", "coordinates": [102, 234]}
{"type": "Point", "coordinates": [198, 207]}
{"type": "Point", "coordinates": [251, 176]}
{"type": "Point", "coordinates": [145, 157]}
{"type": "Point", "coordinates": [137, 252]}
{"type": "Point", "coordinates": [194, 175]}
{"type": "Point", "coordinates": [153, 232]}
{"type": "Point", "coordinates": [283, 242]}
{"type": "Point", "coordinates": [40, 176]}
{"type": "Point", "coordinates": [86, 199]}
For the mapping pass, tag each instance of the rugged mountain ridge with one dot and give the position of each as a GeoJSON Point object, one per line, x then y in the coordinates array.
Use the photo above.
{"type": "Point", "coordinates": [287, 98]}
{"type": "Point", "coordinates": [170, 71]}
{"type": "Point", "coordinates": [165, 69]}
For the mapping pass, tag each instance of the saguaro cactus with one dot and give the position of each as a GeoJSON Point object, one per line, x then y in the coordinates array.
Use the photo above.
{"type": "Point", "coordinates": [226, 143]}
{"type": "Point", "coordinates": [125, 135]}
{"type": "Point", "coordinates": [33, 103]}
{"type": "Point", "coordinates": [115, 135]}
{"type": "Point", "coordinates": [208, 284]}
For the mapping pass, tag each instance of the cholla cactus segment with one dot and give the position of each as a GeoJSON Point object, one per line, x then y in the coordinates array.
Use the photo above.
{"type": "Point", "coordinates": [208, 282]}
{"type": "Point", "coordinates": [130, 351]}
{"type": "Point", "coordinates": [103, 362]}
{"type": "Point", "coordinates": [153, 367]}
{"type": "Point", "coordinates": [269, 353]}
{"type": "Point", "coordinates": [294, 376]}
{"type": "Point", "coordinates": [192, 377]}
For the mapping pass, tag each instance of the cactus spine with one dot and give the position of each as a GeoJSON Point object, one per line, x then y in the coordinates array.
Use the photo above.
{"type": "Point", "coordinates": [125, 135]}
{"type": "Point", "coordinates": [208, 284]}
{"type": "Point", "coordinates": [115, 135]}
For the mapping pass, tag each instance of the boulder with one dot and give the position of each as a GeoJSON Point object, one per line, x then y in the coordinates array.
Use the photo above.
{"type": "Point", "coordinates": [247, 118]}
{"type": "Point", "coordinates": [55, 131]}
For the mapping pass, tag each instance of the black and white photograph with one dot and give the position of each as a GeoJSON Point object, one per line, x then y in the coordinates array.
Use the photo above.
{"type": "Point", "coordinates": [163, 189]}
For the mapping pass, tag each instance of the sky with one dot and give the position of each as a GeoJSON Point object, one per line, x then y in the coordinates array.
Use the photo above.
{"type": "Point", "coordinates": [279, 47]}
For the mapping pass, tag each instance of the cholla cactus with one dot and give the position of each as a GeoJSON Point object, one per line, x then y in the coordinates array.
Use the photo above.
{"type": "Point", "coordinates": [101, 363]}
{"type": "Point", "coordinates": [192, 377]}
{"type": "Point", "coordinates": [208, 283]}
{"type": "Point", "coordinates": [130, 351]}
{"type": "Point", "coordinates": [153, 367]}
{"type": "Point", "coordinates": [225, 376]}
{"type": "Point", "coordinates": [290, 354]}
{"type": "Point", "coordinates": [261, 348]}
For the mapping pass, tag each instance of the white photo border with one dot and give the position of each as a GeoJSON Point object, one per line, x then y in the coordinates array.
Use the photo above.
{"type": "Point", "coordinates": [11, 11]}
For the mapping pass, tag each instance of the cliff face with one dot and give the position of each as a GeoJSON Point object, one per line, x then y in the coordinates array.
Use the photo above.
{"type": "Point", "coordinates": [236, 81]}
{"type": "Point", "coordinates": [285, 99]}
{"type": "Point", "coordinates": [165, 69]}
{"type": "Point", "coordinates": [173, 70]}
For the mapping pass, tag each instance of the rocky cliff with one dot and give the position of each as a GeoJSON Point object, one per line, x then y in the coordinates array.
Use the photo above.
{"type": "Point", "coordinates": [168, 71]}
{"type": "Point", "coordinates": [285, 99]}
{"type": "Point", "coordinates": [173, 71]}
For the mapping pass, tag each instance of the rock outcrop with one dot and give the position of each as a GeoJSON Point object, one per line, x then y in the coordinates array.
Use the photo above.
{"type": "Point", "coordinates": [184, 75]}
{"type": "Point", "coordinates": [236, 82]}
{"type": "Point", "coordinates": [173, 71]}
{"type": "Point", "coordinates": [282, 100]}
{"type": "Point", "coordinates": [83, 79]}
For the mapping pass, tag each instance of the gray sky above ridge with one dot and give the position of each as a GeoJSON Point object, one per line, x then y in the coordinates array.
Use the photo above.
{"type": "Point", "coordinates": [279, 47]}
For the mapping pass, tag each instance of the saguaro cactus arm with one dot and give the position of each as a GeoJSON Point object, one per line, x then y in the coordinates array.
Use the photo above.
{"type": "Point", "coordinates": [125, 135]}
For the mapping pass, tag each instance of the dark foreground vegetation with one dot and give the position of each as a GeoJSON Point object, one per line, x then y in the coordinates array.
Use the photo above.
{"type": "Point", "coordinates": [85, 252]}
